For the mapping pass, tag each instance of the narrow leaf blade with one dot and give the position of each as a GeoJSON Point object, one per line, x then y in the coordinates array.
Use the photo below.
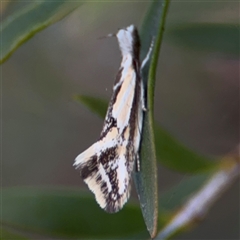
{"type": "Point", "coordinates": [213, 37]}
{"type": "Point", "coordinates": [176, 156]}
{"type": "Point", "coordinates": [96, 105]}
{"type": "Point", "coordinates": [146, 179]}
{"type": "Point", "coordinates": [25, 23]}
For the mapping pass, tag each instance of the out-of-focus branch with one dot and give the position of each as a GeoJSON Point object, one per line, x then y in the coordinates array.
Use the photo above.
{"type": "Point", "coordinates": [198, 205]}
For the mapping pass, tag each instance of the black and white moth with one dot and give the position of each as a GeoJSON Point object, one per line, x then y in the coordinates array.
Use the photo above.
{"type": "Point", "coordinates": [107, 165]}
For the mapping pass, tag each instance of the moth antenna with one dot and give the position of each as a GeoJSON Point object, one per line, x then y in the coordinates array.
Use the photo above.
{"type": "Point", "coordinates": [107, 36]}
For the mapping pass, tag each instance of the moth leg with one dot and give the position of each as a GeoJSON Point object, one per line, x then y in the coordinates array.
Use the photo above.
{"type": "Point", "coordinates": [145, 60]}
{"type": "Point", "coordinates": [143, 100]}
{"type": "Point", "coordinates": [137, 163]}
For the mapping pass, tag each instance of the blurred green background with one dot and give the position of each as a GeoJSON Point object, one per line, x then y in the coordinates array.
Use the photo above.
{"type": "Point", "coordinates": [196, 95]}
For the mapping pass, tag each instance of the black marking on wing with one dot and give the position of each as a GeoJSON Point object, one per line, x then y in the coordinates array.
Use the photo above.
{"type": "Point", "coordinates": [107, 156]}
{"type": "Point", "coordinates": [119, 75]}
{"type": "Point", "coordinates": [110, 122]}
{"type": "Point", "coordinates": [113, 198]}
{"type": "Point", "coordinates": [123, 133]}
{"type": "Point", "coordinates": [137, 94]}
{"type": "Point", "coordinates": [90, 168]}
{"type": "Point", "coordinates": [107, 159]}
{"type": "Point", "coordinates": [133, 120]}
{"type": "Point", "coordinates": [136, 44]}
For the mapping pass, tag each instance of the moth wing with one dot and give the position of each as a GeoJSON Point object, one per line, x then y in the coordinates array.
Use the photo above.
{"type": "Point", "coordinates": [106, 168]}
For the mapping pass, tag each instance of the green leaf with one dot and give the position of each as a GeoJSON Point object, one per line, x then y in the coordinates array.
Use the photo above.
{"type": "Point", "coordinates": [96, 105]}
{"type": "Point", "coordinates": [6, 234]}
{"type": "Point", "coordinates": [214, 37]}
{"type": "Point", "coordinates": [68, 214]}
{"type": "Point", "coordinates": [176, 156]}
{"type": "Point", "coordinates": [146, 179]}
{"type": "Point", "coordinates": [25, 23]}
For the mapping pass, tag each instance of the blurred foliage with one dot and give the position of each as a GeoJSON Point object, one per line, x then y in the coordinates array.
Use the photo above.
{"type": "Point", "coordinates": [174, 155]}
{"type": "Point", "coordinates": [210, 37]}
{"type": "Point", "coordinates": [5, 234]}
{"type": "Point", "coordinates": [25, 23]}
{"type": "Point", "coordinates": [66, 213]}
{"type": "Point", "coordinates": [95, 105]}
{"type": "Point", "coordinates": [74, 214]}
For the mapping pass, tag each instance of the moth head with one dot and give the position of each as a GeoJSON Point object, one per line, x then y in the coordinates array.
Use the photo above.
{"type": "Point", "coordinates": [128, 40]}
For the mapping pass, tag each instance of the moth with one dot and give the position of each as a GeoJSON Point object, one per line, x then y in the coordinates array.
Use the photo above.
{"type": "Point", "coordinates": [107, 165]}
